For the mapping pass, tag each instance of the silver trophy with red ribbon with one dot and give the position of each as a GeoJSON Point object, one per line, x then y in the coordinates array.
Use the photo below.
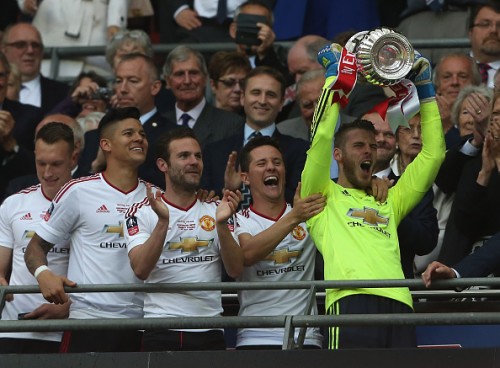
{"type": "Point", "coordinates": [384, 56]}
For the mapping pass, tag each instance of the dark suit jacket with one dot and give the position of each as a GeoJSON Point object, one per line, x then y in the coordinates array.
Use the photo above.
{"type": "Point", "coordinates": [52, 92]}
{"type": "Point", "coordinates": [154, 127]}
{"type": "Point", "coordinates": [216, 154]}
{"type": "Point", "coordinates": [26, 117]}
{"type": "Point", "coordinates": [213, 124]}
{"type": "Point", "coordinates": [418, 231]}
{"type": "Point", "coordinates": [484, 261]}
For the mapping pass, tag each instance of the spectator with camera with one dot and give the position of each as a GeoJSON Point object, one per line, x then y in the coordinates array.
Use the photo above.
{"type": "Point", "coordinates": [254, 36]}
{"type": "Point", "coordinates": [88, 93]}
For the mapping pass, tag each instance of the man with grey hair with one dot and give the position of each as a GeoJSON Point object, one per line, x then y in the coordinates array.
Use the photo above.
{"type": "Point", "coordinates": [136, 85]}
{"type": "Point", "coordinates": [127, 42]}
{"type": "Point", "coordinates": [308, 91]}
{"type": "Point", "coordinates": [186, 74]}
{"type": "Point", "coordinates": [453, 72]}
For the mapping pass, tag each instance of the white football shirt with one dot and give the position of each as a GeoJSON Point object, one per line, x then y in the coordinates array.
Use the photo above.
{"type": "Point", "coordinates": [292, 260]}
{"type": "Point", "coordinates": [191, 253]}
{"type": "Point", "coordinates": [20, 215]}
{"type": "Point", "coordinates": [90, 211]}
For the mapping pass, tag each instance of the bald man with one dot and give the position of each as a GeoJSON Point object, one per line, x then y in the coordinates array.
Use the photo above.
{"type": "Point", "coordinates": [23, 46]}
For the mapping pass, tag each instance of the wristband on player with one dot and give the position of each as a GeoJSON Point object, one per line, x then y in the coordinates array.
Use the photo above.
{"type": "Point", "coordinates": [39, 270]}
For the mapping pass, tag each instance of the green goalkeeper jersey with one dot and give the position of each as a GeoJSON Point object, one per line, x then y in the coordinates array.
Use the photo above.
{"type": "Point", "coordinates": [357, 235]}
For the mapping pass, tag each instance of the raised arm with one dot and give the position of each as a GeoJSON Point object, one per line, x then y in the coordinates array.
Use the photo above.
{"type": "Point", "coordinates": [231, 253]}
{"type": "Point", "coordinates": [421, 173]}
{"type": "Point", "coordinates": [316, 173]}
{"type": "Point", "coordinates": [143, 257]}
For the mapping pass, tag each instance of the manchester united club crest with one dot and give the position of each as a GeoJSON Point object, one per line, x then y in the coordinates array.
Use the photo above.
{"type": "Point", "coordinates": [207, 223]}
{"type": "Point", "coordinates": [298, 232]}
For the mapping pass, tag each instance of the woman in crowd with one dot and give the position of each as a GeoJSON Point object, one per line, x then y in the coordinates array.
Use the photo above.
{"type": "Point", "coordinates": [227, 70]}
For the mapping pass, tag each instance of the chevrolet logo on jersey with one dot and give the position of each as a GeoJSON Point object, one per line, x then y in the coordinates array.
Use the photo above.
{"type": "Point", "coordinates": [28, 234]}
{"type": "Point", "coordinates": [283, 255]}
{"type": "Point", "coordinates": [188, 244]}
{"type": "Point", "coordinates": [370, 216]}
{"type": "Point", "coordinates": [114, 229]}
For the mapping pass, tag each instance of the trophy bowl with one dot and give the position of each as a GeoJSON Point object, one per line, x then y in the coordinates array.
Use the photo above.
{"type": "Point", "coordinates": [384, 56]}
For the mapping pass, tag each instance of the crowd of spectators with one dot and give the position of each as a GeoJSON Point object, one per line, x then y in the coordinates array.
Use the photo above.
{"type": "Point", "coordinates": [179, 124]}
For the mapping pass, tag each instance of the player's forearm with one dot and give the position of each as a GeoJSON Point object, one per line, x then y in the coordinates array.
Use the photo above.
{"type": "Point", "coordinates": [231, 253]}
{"type": "Point", "coordinates": [259, 246]}
{"type": "Point", "coordinates": [36, 253]}
{"type": "Point", "coordinates": [144, 257]}
{"type": "Point", "coordinates": [316, 173]}
{"type": "Point", "coordinates": [426, 165]}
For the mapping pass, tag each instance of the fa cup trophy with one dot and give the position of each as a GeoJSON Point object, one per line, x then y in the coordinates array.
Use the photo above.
{"type": "Point", "coordinates": [384, 56]}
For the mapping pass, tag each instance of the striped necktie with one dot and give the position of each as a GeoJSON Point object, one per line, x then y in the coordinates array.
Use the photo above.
{"type": "Point", "coordinates": [483, 70]}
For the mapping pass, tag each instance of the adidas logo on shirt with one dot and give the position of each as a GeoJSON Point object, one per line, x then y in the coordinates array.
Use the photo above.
{"type": "Point", "coordinates": [102, 209]}
{"type": "Point", "coordinates": [27, 217]}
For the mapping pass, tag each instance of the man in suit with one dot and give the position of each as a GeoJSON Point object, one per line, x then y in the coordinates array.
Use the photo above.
{"type": "Point", "coordinates": [17, 132]}
{"type": "Point", "coordinates": [484, 36]}
{"type": "Point", "coordinates": [262, 100]}
{"type": "Point", "coordinates": [483, 262]}
{"type": "Point", "coordinates": [23, 46]}
{"type": "Point", "coordinates": [136, 85]}
{"type": "Point", "coordinates": [186, 74]}
{"type": "Point", "coordinates": [308, 91]}
{"type": "Point", "coordinates": [418, 231]}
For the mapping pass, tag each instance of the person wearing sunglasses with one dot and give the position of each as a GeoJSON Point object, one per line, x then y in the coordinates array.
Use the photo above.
{"type": "Point", "coordinates": [227, 70]}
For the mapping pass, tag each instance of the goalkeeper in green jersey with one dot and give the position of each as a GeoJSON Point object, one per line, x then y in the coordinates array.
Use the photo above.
{"type": "Point", "coordinates": [356, 234]}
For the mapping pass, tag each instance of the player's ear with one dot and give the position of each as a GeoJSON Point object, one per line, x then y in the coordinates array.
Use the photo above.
{"type": "Point", "coordinates": [105, 144]}
{"type": "Point", "coordinates": [244, 178]}
{"type": "Point", "coordinates": [337, 154]}
{"type": "Point", "coordinates": [162, 165]}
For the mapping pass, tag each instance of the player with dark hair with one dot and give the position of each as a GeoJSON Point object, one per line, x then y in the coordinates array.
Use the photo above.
{"type": "Point", "coordinates": [90, 211]}
{"type": "Point", "coordinates": [356, 234]}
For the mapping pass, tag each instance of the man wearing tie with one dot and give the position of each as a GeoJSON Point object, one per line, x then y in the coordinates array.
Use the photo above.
{"type": "Point", "coordinates": [484, 35]}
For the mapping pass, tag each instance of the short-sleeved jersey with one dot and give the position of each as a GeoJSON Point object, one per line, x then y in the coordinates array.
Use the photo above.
{"type": "Point", "coordinates": [191, 253]}
{"type": "Point", "coordinates": [90, 212]}
{"type": "Point", "coordinates": [293, 259]}
{"type": "Point", "coordinates": [20, 215]}
{"type": "Point", "coordinates": [356, 235]}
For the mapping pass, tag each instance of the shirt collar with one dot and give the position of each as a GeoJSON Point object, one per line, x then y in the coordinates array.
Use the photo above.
{"type": "Point", "coordinates": [383, 173]}
{"type": "Point", "coordinates": [267, 131]}
{"type": "Point", "coordinates": [147, 115]}
{"type": "Point", "coordinates": [32, 84]}
{"type": "Point", "coordinates": [195, 112]}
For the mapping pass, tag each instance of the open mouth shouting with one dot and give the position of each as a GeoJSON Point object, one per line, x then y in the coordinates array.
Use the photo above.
{"type": "Point", "coordinates": [271, 181]}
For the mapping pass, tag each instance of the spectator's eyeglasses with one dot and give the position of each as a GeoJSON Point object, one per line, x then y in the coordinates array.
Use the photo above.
{"type": "Point", "coordinates": [135, 34]}
{"type": "Point", "coordinates": [4, 75]}
{"type": "Point", "coordinates": [487, 24]}
{"type": "Point", "coordinates": [230, 82]}
{"type": "Point", "coordinates": [23, 45]}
